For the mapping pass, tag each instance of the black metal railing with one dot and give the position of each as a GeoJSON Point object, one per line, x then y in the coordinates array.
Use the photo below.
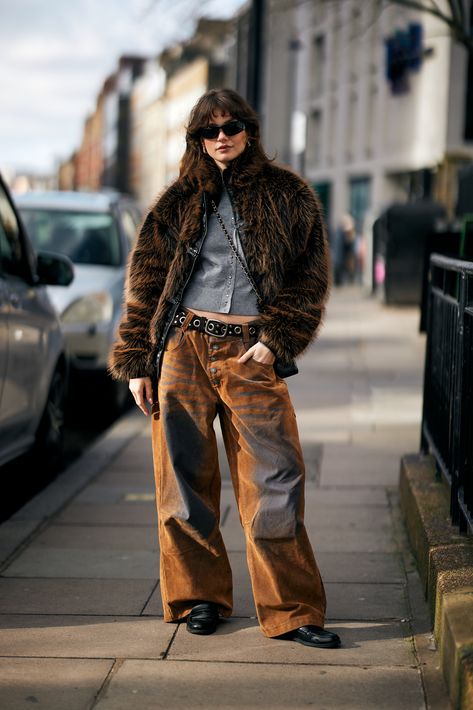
{"type": "Point", "coordinates": [447, 418]}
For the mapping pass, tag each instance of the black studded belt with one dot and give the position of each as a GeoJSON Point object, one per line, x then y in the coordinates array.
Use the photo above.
{"type": "Point", "coordinates": [212, 327]}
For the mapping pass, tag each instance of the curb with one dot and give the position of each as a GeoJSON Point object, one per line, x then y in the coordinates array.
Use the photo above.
{"type": "Point", "coordinates": [445, 562]}
{"type": "Point", "coordinates": [17, 531]}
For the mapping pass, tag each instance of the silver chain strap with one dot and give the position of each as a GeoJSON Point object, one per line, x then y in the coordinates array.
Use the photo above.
{"type": "Point", "coordinates": [232, 247]}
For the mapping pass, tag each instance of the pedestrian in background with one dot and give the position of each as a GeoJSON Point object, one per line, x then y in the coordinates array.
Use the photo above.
{"type": "Point", "coordinates": [226, 286]}
{"type": "Point", "coordinates": [344, 251]}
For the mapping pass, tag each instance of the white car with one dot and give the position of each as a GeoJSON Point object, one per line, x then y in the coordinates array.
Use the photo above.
{"type": "Point", "coordinates": [96, 231]}
{"type": "Point", "coordinates": [33, 363]}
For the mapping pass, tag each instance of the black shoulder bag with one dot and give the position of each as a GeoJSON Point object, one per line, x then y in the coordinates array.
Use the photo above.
{"type": "Point", "coordinates": [282, 369]}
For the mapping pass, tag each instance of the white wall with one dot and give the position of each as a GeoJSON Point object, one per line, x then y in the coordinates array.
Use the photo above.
{"type": "Point", "coordinates": [148, 134]}
{"type": "Point", "coordinates": [184, 88]}
{"type": "Point", "coordinates": [364, 129]}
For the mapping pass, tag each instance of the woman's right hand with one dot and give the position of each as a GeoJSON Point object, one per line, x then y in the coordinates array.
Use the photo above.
{"type": "Point", "coordinates": [142, 391]}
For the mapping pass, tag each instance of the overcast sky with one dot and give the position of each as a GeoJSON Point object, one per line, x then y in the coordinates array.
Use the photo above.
{"type": "Point", "coordinates": [55, 55]}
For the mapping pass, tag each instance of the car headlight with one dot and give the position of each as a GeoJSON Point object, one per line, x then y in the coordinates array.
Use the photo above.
{"type": "Point", "coordinates": [92, 308]}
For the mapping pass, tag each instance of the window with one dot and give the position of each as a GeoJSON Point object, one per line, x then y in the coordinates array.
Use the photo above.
{"type": "Point", "coordinates": [352, 123]}
{"type": "Point", "coordinates": [360, 199]}
{"type": "Point", "coordinates": [318, 65]}
{"type": "Point", "coordinates": [85, 237]}
{"type": "Point", "coordinates": [314, 139]}
{"type": "Point", "coordinates": [324, 189]}
{"type": "Point", "coordinates": [10, 241]}
{"type": "Point", "coordinates": [356, 43]}
{"type": "Point", "coordinates": [335, 53]}
{"type": "Point", "coordinates": [333, 131]}
{"type": "Point", "coordinates": [370, 122]}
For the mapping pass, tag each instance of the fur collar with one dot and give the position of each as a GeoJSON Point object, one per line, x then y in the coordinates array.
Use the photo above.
{"type": "Point", "coordinates": [209, 179]}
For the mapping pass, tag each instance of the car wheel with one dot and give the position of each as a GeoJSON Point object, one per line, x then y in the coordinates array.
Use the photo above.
{"type": "Point", "coordinates": [50, 435]}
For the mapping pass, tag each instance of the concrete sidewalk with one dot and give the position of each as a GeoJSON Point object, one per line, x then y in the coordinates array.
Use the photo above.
{"type": "Point", "coordinates": [80, 623]}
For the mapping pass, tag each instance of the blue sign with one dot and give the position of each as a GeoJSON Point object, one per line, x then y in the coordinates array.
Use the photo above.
{"type": "Point", "coordinates": [404, 54]}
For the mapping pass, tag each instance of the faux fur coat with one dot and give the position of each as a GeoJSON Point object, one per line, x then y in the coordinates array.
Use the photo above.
{"type": "Point", "coordinates": [285, 248]}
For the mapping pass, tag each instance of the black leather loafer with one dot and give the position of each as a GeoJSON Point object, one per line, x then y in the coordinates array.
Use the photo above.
{"type": "Point", "coordinates": [314, 636]}
{"type": "Point", "coordinates": [203, 619]}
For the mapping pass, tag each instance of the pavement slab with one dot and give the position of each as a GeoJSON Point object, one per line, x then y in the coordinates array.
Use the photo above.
{"type": "Point", "coordinates": [354, 464]}
{"type": "Point", "coordinates": [366, 601]}
{"type": "Point", "coordinates": [325, 539]}
{"type": "Point", "coordinates": [83, 537]}
{"type": "Point", "coordinates": [154, 606]}
{"type": "Point", "coordinates": [52, 683]}
{"type": "Point", "coordinates": [240, 640]}
{"type": "Point", "coordinates": [12, 534]}
{"type": "Point", "coordinates": [345, 495]}
{"type": "Point", "coordinates": [115, 493]}
{"type": "Point", "coordinates": [74, 596]}
{"type": "Point", "coordinates": [387, 438]}
{"type": "Point", "coordinates": [86, 563]}
{"type": "Point", "coordinates": [350, 518]}
{"type": "Point", "coordinates": [187, 684]}
{"type": "Point", "coordinates": [126, 513]}
{"type": "Point", "coordinates": [84, 636]}
{"type": "Point", "coordinates": [364, 567]}
{"type": "Point", "coordinates": [120, 475]}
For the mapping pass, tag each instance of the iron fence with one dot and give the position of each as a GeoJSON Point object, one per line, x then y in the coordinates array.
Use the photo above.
{"type": "Point", "coordinates": [447, 418]}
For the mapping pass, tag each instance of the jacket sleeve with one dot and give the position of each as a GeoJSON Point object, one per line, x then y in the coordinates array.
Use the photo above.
{"type": "Point", "coordinates": [291, 320]}
{"type": "Point", "coordinates": [132, 354]}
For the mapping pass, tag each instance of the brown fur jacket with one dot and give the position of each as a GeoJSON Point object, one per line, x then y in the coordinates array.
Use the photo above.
{"type": "Point", "coordinates": [285, 248]}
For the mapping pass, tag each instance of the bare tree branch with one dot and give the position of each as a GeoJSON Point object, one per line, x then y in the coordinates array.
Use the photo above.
{"type": "Point", "coordinates": [436, 5]}
{"type": "Point", "coordinates": [431, 10]}
{"type": "Point", "coordinates": [194, 8]}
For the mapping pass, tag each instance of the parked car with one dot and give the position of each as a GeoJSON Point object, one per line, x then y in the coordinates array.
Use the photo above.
{"type": "Point", "coordinates": [33, 364]}
{"type": "Point", "coordinates": [96, 231]}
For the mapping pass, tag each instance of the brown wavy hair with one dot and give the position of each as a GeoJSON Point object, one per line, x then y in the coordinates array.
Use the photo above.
{"type": "Point", "coordinates": [228, 101]}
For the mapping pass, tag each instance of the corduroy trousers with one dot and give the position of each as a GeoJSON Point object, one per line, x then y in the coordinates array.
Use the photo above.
{"type": "Point", "coordinates": [200, 380]}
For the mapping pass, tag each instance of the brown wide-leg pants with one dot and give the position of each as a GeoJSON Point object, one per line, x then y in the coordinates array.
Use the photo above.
{"type": "Point", "coordinates": [200, 379]}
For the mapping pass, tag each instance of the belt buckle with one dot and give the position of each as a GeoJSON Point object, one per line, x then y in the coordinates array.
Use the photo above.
{"type": "Point", "coordinates": [220, 324]}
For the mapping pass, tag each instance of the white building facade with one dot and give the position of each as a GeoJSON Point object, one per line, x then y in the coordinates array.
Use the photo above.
{"type": "Point", "coordinates": [330, 111]}
{"type": "Point", "coordinates": [148, 136]}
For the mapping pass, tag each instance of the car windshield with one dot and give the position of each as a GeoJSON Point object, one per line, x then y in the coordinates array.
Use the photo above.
{"type": "Point", "coordinates": [85, 237]}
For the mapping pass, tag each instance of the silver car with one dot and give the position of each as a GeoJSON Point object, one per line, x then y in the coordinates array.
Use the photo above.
{"type": "Point", "coordinates": [96, 231]}
{"type": "Point", "coordinates": [33, 364]}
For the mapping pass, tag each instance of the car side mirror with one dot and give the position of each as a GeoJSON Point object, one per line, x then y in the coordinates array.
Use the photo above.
{"type": "Point", "coordinates": [54, 269]}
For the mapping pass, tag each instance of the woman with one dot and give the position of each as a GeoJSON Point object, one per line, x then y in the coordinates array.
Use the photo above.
{"type": "Point", "coordinates": [228, 276]}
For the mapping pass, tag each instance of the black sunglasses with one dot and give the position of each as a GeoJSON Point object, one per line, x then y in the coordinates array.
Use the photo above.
{"type": "Point", "coordinates": [231, 128]}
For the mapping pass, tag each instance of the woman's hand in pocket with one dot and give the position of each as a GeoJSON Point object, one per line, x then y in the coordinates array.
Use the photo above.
{"type": "Point", "coordinates": [260, 353]}
{"type": "Point", "coordinates": [142, 391]}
